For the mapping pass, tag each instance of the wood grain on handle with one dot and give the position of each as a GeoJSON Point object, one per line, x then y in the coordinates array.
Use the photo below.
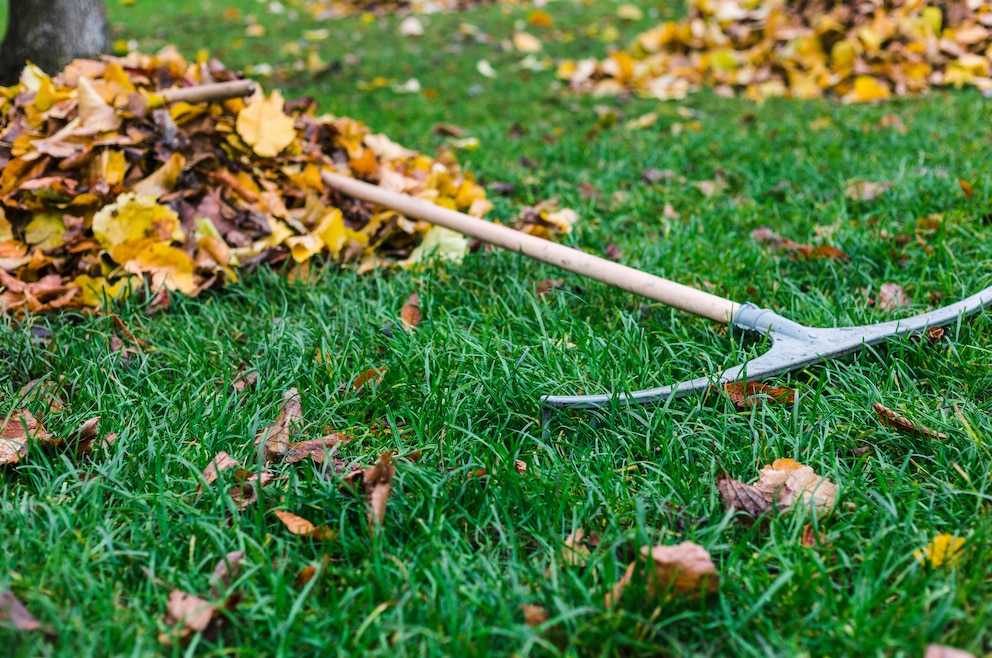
{"type": "Point", "coordinates": [627, 278]}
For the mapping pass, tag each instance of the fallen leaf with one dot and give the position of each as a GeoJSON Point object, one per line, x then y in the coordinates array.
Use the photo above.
{"type": "Point", "coordinates": [245, 380]}
{"type": "Point", "coordinates": [265, 127]}
{"type": "Point", "coordinates": [13, 611]}
{"type": "Point", "coordinates": [520, 466]}
{"type": "Point", "coordinates": [966, 189]}
{"type": "Point", "coordinates": [316, 449]}
{"type": "Point", "coordinates": [411, 27]}
{"type": "Point", "coordinates": [534, 615]}
{"type": "Point", "coordinates": [940, 651]}
{"type": "Point", "coordinates": [685, 569]}
{"type": "Point", "coordinates": [903, 424]}
{"type": "Point", "coordinates": [812, 538]}
{"type": "Point", "coordinates": [410, 313]}
{"type": "Point", "coordinates": [17, 430]}
{"type": "Point", "coordinates": [300, 526]}
{"type": "Point", "coordinates": [744, 498]}
{"type": "Point", "coordinates": [275, 437]}
{"type": "Point", "coordinates": [786, 483]}
{"type": "Point", "coordinates": [367, 377]}
{"type": "Point", "coordinates": [227, 569]}
{"type": "Point", "coordinates": [891, 296]}
{"type": "Point", "coordinates": [193, 613]}
{"type": "Point", "coordinates": [526, 42]}
{"type": "Point", "coordinates": [378, 482]}
{"type": "Point", "coordinates": [750, 394]}
{"type": "Point", "coordinates": [575, 549]}
{"type": "Point", "coordinates": [943, 550]}
{"type": "Point", "coordinates": [221, 462]}
{"type": "Point", "coordinates": [862, 190]}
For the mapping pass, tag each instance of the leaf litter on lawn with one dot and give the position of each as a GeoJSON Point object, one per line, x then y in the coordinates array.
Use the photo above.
{"type": "Point", "coordinates": [861, 52]}
{"type": "Point", "coordinates": [784, 484]}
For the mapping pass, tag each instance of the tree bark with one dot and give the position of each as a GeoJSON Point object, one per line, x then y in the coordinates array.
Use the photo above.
{"type": "Point", "coordinates": [50, 34]}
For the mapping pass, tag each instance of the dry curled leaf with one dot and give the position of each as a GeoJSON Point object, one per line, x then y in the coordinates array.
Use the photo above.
{"type": "Point", "coordinates": [410, 313]}
{"type": "Point", "coordinates": [378, 482]}
{"type": "Point", "coordinates": [743, 498]}
{"type": "Point", "coordinates": [891, 296]}
{"type": "Point", "coordinates": [194, 614]}
{"type": "Point", "coordinates": [901, 423]}
{"type": "Point", "coordinates": [750, 394]}
{"type": "Point", "coordinates": [300, 526]}
{"type": "Point", "coordinates": [275, 438]}
{"type": "Point", "coordinates": [367, 378]}
{"type": "Point", "coordinates": [17, 430]}
{"type": "Point", "coordinates": [685, 569]}
{"type": "Point", "coordinates": [786, 483]}
{"type": "Point", "coordinates": [575, 550]}
{"type": "Point", "coordinates": [316, 449]}
{"type": "Point", "coordinates": [13, 611]}
{"type": "Point", "coordinates": [221, 462]}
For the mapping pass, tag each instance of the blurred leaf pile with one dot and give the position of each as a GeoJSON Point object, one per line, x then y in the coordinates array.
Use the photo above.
{"type": "Point", "coordinates": [861, 51]}
{"type": "Point", "coordinates": [107, 188]}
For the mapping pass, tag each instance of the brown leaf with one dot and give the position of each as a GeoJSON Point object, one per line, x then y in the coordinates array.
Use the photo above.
{"type": "Point", "coordinates": [45, 390]}
{"type": "Point", "coordinates": [613, 252]}
{"type": "Point", "coordinates": [862, 190]}
{"type": "Point", "coordinates": [12, 610]}
{"type": "Point", "coordinates": [86, 435]}
{"type": "Point", "coordinates": [966, 189]}
{"type": "Point", "coordinates": [275, 438]}
{"type": "Point", "coordinates": [245, 492]}
{"type": "Point", "coordinates": [305, 576]}
{"type": "Point", "coordinates": [534, 615]}
{"type": "Point", "coordinates": [378, 481]}
{"type": "Point", "coordinates": [940, 651]}
{"type": "Point", "coordinates": [903, 424]}
{"type": "Point", "coordinates": [786, 482]}
{"type": "Point", "coordinates": [17, 429]}
{"type": "Point", "coordinates": [891, 296]}
{"type": "Point", "coordinates": [315, 449]}
{"type": "Point", "coordinates": [812, 538]}
{"type": "Point", "coordinates": [245, 381]}
{"type": "Point", "coordinates": [221, 462]}
{"type": "Point", "coordinates": [227, 569]}
{"type": "Point", "coordinates": [750, 394]}
{"type": "Point", "coordinates": [410, 313]}
{"type": "Point", "coordinates": [370, 376]}
{"type": "Point", "coordinates": [300, 526]}
{"type": "Point", "coordinates": [520, 466]}
{"type": "Point", "coordinates": [742, 498]}
{"type": "Point", "coordinates": [685, 569]}
{"type": "Point", "coordinates": [549, 284]}
{"type": "Point", "coordinates": [195, 615]}
{"type": "Point", "coordinates": [575, 550]}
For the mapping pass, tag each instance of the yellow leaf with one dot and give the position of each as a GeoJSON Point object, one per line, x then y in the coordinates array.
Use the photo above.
{"type": "Point", "coordinates": [167, 266]}
{"type": "Point", "coordinates": [526, 42]}
{"type": "Point", "coordinates": [867, 89]}
{"type": "Point", "coordinates": [441, 243]}
{"type": "Point", "coordinates": [110, 165]}
{"type": "Point", "coordinates": [944, 549]}
{"type": "Point", "coordinates": [134, 217]}
{"type": "Point", "coordinates": [264, 126]}
{"type": "Point", "coordinates": [48, 95]}
{"type": "Point", "coordinates": [45, 230]}
{"type": "Point", "coordinates": [629, 12]}
{"type": "Point", "coordinates": [93, 290]}
{"type": "Point", "coordinates": [163, 179]}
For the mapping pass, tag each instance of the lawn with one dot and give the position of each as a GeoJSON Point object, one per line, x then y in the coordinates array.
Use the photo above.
{"type": "Point", "coordinates": [94, 546]}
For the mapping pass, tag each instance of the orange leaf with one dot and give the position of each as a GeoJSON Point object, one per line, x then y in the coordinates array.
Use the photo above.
{"type": "Point", "coordinates": [410, 313]}
{"type": "Point", "coordinates": [300, 526]}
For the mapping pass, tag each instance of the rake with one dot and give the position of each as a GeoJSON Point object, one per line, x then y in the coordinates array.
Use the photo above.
{"type": "Point", "coordinates": [792, 346]}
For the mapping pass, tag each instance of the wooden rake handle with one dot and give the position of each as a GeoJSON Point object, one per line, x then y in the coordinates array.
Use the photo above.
{"type": "Point", "coordinates": [215, 91]}
{"type": "Point", "coordinates": [647, 285]}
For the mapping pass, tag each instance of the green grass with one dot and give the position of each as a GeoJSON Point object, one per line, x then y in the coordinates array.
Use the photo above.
{"type": "Point", "coordinates": [93, 547]}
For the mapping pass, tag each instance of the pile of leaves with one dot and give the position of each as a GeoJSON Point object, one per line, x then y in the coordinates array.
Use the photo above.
{"type": "Point", "coordinates": [107, 189]}
{"type": "Point", "coordinates": [860, 51]}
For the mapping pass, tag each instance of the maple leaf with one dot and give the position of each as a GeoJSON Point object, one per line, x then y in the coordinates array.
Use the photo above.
{"type": "Point", "coordinates": [265, 127]}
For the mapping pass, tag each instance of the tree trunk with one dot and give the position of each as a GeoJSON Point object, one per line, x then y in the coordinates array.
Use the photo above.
{"type": "Point", "coordinates": [50, 34]}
